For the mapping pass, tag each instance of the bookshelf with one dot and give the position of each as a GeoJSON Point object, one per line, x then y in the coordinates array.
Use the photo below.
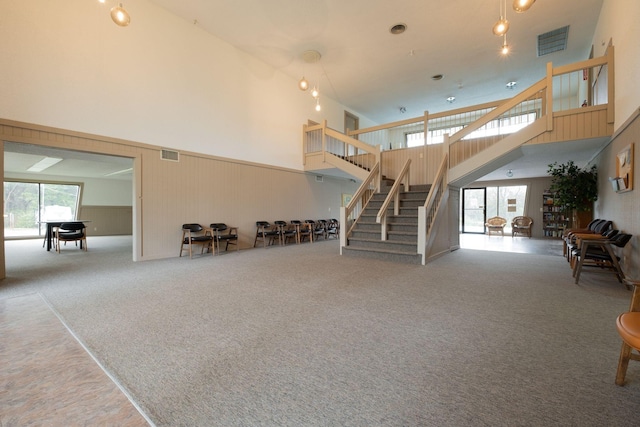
{"type": "Point", "coordinates": [554, 221]}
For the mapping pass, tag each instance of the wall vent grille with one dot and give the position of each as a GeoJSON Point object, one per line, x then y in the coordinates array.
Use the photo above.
{"type": "Point", "coordinates": [553, 41]}
{"type": "Point", "coordinates": [319, 178]}
{"type": "Point", "coordinates": [170, 155]}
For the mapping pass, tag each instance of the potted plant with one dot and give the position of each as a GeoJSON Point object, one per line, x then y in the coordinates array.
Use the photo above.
{"type": "Point", "coordinates": [575, 188]}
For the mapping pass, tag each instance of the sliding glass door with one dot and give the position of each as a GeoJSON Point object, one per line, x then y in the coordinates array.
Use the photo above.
{"type": "Point", "coordinates": [478, 204]}
{"type": "Point", "coordinates": [28, 204]}
{"type": "Point", "coordinates": [474, 213]}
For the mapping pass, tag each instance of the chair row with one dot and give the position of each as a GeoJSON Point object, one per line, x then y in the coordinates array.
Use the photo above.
{"type": "Point", "coordinates": [593, 246]}
{"type": "Point", "coordinates": [209, 238]}
{"type": "Point", "coordinates": [519, 225]}
{"type": "Point", "coordinates": [298, 231]}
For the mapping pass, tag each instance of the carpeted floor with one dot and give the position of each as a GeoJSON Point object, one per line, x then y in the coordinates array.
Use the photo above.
{"type": "Point", "coordinates": [299, 336]}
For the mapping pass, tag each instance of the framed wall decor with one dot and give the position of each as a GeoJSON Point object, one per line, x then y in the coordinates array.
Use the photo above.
{"type": "Point", "coordinates": [624, 169]}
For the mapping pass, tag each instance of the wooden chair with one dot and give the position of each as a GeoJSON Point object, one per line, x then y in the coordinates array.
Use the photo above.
{"type": "Point", "coordinates": [71, 232]}
{"type": "Point", "coordinates": [495, 224]}
{"type": "Point", "coordinates": [599, 253]}
{"type": "Point", "coordinates": [628, 325]}
{"type": "Point", "coordinates": [521, 225]}
{"type": "Point", "coordinates": [287, 231]}
{"type": "Point", "coordinates": [267, 233]}
{"type": "Point", "coordinates": [195, 234]}
{"type": "Point", "coordinates": [302, 229]}
{"type": "Point", "coordinates": [318, 229]}
{"type": "Point", "coordinates": [223, 233]}
{"type": "Point", "coordinates": [333, 228]}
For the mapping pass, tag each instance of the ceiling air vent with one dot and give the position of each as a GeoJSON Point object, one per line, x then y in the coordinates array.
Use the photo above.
{"type": "Point", "coordinates": [319, 178]}
{"type": "Point", "coordinates": [553, 41]}
{"type": "Point", "coordinates": [171, 155]}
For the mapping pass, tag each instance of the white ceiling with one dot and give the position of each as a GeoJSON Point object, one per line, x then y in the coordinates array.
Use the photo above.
{"type": "Point", "coordinates": [373, 72]}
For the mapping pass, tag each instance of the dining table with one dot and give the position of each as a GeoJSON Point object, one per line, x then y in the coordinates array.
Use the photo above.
{"type": "Point", "coordinates": [51, 225]}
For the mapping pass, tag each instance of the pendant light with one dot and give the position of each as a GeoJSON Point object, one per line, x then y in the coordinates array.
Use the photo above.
{"type": "Point", "coordinates": [303, 84]}
{"type": "Point", "coordinates": [501, 26]}
{"type": "Point", "coordinates": [120, 16]}
{"type": "Point", "coordinates": [505, 47]}
{"type": "Point", "coordinates": [522, 5]}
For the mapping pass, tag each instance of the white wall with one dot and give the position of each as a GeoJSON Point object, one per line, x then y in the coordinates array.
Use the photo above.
{"type": "Point", "coordinates": [161, 80]}
{"type": "Point", "coordinates": [618, 23]}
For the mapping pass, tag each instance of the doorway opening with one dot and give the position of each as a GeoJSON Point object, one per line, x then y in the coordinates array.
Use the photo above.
{"type": "Point", "coordinates": [481, 203]}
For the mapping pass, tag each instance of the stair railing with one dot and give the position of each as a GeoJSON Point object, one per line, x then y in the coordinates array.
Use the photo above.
{"type": "Point", "coordinates": [350, 213]}
{"type": "Point", "coordinates": [321, 140]}
{"type": "Point", "coordinates": [393, 196]}
{"type": "Point", "coordinates": [428, 212]}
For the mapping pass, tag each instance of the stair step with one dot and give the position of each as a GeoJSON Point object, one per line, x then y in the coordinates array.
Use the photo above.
{"type": "Point", "coordinates": [392, 236]}
{"type": "Point", "coordinates": [386, 245]}
{"type": "Point", "coordinates": [391, 256]}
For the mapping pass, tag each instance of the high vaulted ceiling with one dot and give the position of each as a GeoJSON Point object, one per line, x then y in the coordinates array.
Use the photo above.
{"type": "Point", "coordinates": [373, 72]}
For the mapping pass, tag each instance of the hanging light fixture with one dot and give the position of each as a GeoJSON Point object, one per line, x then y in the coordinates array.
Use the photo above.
{"type": "Point", "coordinates": [318, 107]}
{"type": "Point", "coordinates": [522, 5]}
{"type": "Point", "coordinates": [120, 16]}
{"type": "Point", "coordinates": [303, 84]}
{"type": "Point", "coordinates": [501, 26]}
{"type": "Point", "coordinates": [505, 47]}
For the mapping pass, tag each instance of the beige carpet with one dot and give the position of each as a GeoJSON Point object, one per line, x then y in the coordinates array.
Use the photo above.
{"type": "Point", "coordinates": [299, 336]}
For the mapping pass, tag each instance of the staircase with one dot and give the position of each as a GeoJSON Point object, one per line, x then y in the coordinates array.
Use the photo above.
{"type": "Point", "coordinates": [401, 246]}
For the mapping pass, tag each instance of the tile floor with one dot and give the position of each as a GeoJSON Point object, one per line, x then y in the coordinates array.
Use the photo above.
{"type": "Point", "coordinates": [47, 378]}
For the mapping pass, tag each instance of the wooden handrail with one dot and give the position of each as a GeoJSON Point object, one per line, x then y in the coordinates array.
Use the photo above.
{"type": "Point", "coordinates": [498, 111]}
{"type": "Point", "coordinates": [424, 229]}
{"type": "Point", "coordinates": [345, 212]}
{"type": "Point", "coordinates": [394, 194]}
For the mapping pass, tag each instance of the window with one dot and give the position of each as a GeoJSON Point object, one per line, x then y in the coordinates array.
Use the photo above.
{"type": "Point", "coordinates": [27, 204]}
{"type": "Point", "coordinates": [501, 126]}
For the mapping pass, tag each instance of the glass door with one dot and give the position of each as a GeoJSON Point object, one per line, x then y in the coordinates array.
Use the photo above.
{"type": "Point", "coordinates": [474, 212]}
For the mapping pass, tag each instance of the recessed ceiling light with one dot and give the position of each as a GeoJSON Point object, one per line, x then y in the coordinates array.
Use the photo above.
{"type": "Point", "coordinates": [398, 29]}
{"type": "Point", "coordinates": [451, 99]}
{"type": "Point", "coordinates": [511, 85]}
{"type": "Point", "coordinates": [437, 77]}
{"type": "Point", "coordinates": [43, 164]}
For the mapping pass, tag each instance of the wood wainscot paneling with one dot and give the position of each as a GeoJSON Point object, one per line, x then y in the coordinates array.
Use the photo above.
{"type": "Point", "coordinates": [108, 220]}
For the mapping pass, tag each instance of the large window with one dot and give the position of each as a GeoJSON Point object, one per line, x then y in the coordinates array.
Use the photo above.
{"type": "Point", "coordinates": [501, 126]}
{"type": "Point", "coordinates": [28, 204]}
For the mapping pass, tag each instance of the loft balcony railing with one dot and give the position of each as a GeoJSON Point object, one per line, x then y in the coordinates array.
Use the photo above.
{"type": "Point", "coordinates": [580, 88]}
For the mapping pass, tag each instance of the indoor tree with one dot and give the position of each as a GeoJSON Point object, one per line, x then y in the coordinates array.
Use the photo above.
{"type": "Point", "coordinates": [574, 188]}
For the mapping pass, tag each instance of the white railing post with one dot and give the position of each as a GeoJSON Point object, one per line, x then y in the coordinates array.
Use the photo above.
{"type": "Point", "coordinates": [422, 232]}
{"type": "Point", "coordinates": [343, 228]}
{"type": "Point", "coordinates": [549, 96]}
